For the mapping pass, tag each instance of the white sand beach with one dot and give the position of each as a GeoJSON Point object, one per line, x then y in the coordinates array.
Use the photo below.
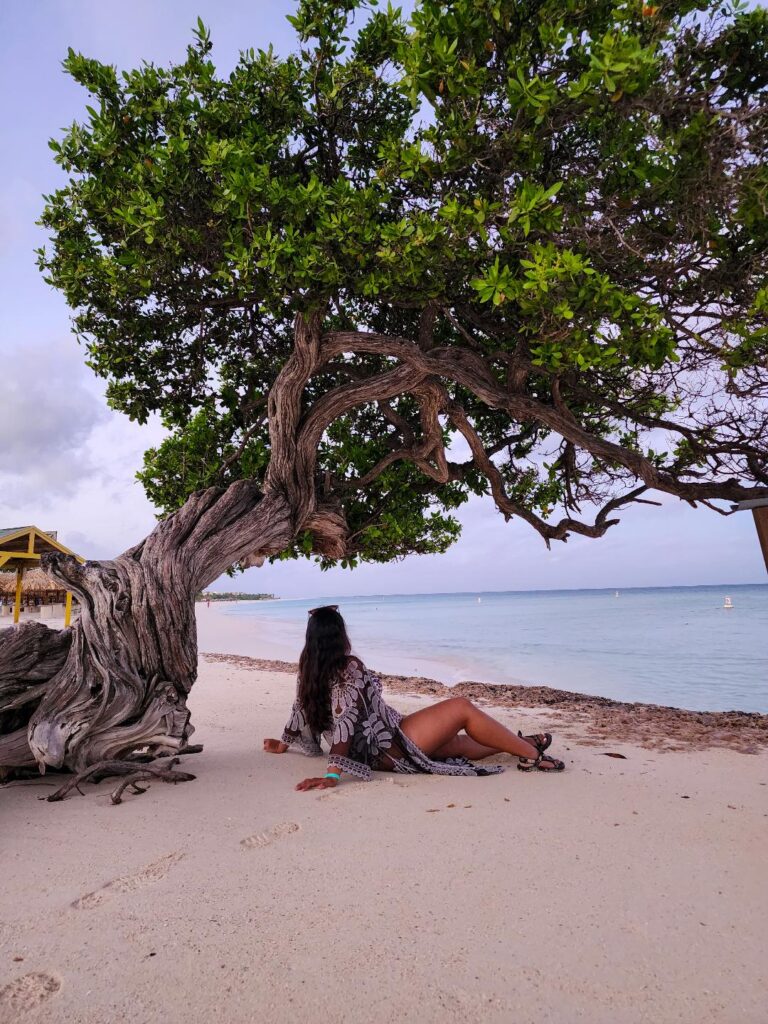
{"type": "Point", "coordinates": [623, 890]}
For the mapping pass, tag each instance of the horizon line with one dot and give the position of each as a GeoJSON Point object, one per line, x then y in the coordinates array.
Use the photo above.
{"type": "Point", "coordinates": [534, 590]}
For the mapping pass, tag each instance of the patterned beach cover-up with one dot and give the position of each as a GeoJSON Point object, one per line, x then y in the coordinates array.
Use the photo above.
{"type": "Point", "coordinates": [366, 733]}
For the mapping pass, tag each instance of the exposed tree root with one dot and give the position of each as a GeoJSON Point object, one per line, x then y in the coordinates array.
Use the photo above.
{"type": "Point", "coordinates": [193, 748]}
{"type": "Point", "coordinates": [104, 769]}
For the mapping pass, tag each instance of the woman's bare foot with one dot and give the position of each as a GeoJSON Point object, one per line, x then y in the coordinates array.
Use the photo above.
{"type": "Point", "coordinates": [275, 746]}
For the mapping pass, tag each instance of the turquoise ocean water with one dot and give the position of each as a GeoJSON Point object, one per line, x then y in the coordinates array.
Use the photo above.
{"type": "Point", "coordinates": [669, 645]}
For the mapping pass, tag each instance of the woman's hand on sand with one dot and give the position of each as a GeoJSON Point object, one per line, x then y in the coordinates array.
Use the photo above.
{"type": "Point", "coordinates": [317, 784]}
{"type": "Point", "coordinates": [275, 746]}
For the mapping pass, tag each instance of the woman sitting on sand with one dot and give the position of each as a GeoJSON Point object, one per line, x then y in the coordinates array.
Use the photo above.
{"type": "Point", "coordinates": [340, 699]}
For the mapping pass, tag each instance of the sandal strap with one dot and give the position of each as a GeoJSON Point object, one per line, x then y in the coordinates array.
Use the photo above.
{"type": "Point", "coordinates": [557, 765]}
{"type": "Point", "coordinates": [529, 764]}
{"type": "Point", "coordinates": [535, 741]}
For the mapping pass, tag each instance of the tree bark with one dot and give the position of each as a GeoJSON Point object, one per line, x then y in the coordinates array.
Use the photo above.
{"type": "Point", "coordinates": [118, 681]}
{"type": "Point", "coordinates": [30, 656]}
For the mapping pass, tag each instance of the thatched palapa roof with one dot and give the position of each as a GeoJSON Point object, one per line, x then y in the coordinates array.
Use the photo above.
{"type": "Point", "coordinates": [34, 584]}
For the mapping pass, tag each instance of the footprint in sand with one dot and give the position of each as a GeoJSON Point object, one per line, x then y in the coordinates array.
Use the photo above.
{"type": "Point", "coordinates": [129, 883]}
{"type": "Point", "coordinates": [27, 993]}
{"type": "Point", "coordinates": [279, 831]}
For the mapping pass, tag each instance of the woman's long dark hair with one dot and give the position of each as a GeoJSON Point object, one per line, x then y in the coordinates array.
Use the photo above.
{"type": "Point", "coordinates": [325, 653]}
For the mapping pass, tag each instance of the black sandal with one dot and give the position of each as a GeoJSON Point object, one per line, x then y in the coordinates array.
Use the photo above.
{"type": "Point", "coordinates": [525, 764]}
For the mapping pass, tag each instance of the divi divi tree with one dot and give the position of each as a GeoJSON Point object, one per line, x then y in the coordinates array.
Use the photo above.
{"type": "Point", "coordinates": [503, 247]}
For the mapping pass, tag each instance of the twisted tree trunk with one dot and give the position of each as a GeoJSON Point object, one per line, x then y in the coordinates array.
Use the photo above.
{"type": "Point", "coordinates": [117, 682]}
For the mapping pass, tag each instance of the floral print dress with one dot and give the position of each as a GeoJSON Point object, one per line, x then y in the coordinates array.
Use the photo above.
{"type": "Point", "coordinates": [366, 734]}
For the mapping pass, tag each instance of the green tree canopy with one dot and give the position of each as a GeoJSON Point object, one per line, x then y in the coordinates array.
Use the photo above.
{"type": "Point", "coordinates": [504, 246]}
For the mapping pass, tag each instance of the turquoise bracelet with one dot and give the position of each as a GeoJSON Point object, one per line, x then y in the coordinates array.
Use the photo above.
{"type": "Point", "coordinates": [331, 775]}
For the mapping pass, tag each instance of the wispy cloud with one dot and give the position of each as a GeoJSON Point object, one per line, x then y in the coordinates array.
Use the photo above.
{"type": "Point", "coordinates": [47, 414]}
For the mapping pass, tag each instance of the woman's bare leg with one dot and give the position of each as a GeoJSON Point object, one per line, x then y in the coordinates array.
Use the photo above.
{"type": "Point", "coordinates": [431, 728]}
{"type": "Point", "coordinates": [464, 746]}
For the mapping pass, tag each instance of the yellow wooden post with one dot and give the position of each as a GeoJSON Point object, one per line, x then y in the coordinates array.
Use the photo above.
{"type": "Point", "coordinates": [17, 602]}
{"type": "Point", "coordinates": [68, 609]}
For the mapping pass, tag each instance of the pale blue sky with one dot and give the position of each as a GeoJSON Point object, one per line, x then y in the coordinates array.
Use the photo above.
{"type": "Point", "coordinates": [67, 462]}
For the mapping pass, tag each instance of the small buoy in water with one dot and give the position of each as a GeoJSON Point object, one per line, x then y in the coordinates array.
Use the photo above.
{"type": "Point", "coordinates": [728, 603]}
{"type": "Point", "coordinates": [616, 594]}
{"type": "Point", "coordinates": [479, 600]}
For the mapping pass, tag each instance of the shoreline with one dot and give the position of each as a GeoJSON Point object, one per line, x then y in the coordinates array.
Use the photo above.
{"type": "Point", "coordinates": [652, 726]}
{"type": "Point", "coordinates": [699, 657]}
